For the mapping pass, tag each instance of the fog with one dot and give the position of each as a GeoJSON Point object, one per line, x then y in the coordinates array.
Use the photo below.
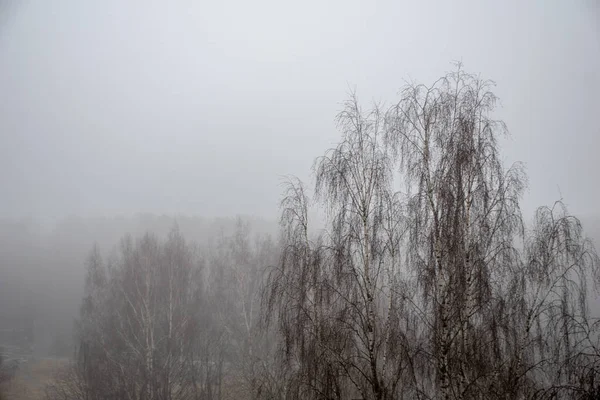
{"type": "Point", "coordinates": [200, 107]}
{"type": "Point", "coordinates": [132, 117]}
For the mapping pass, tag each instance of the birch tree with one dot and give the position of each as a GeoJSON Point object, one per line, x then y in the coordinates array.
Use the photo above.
{"type": "Point", "coordinates": [140, 324]}
{"type": "Point", "coordinates": [489, 288]}
{"type": "Point", "coordinates": [339, 297]}
{"type": "Point", "coordinates": [428, 283]}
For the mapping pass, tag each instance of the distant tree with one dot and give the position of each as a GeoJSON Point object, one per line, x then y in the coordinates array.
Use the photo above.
{"type": "Point", "coordinates": [139, 322]}
{"type": "Point", "coordinates": [167, 320]}
{"type": "Point", "coordinates": [237, 262]}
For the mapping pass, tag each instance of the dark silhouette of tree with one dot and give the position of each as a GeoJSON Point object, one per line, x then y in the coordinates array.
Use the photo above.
{"type": "Point", "coordinates": [437, 290]}
{"type": "Point", "coordinates": [338, 297]}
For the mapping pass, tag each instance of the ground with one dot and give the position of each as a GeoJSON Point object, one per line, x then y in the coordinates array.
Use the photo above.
{"type": "Point", "coordinates": [30, 379]}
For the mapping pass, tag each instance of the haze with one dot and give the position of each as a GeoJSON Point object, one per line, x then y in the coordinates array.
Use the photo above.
{"type": "Point", "coordinates": [183, 119]}
{"type": "Point", "coordinates": [200, 107]}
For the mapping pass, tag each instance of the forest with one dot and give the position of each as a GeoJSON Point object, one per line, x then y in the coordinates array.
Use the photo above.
{"type": "Point", "coordinates": [405, 270]}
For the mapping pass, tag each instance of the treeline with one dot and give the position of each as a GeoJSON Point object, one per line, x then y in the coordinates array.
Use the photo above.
{"type": "Point", "coordinates": [166, 319]}
{"type": "Point", "coordinates": [425, 284]}
{"type": "Point", "coordinates": [42, 268]}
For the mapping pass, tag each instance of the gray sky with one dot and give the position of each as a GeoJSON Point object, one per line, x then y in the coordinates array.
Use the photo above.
{"type": "Point", "coordinates": [199, 107]}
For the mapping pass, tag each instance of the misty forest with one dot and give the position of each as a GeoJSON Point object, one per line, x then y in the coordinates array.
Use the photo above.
{"type": "Point", "coordinates": [309, 200]}
{"type": "Point", "coordinates": [405, 270]}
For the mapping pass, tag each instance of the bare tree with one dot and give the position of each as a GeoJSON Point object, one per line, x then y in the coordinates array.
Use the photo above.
{"type": "Point", "coordinates": [339, 297]}
{"type": "Point", "coordinates": [479, 290]}
{"type": "Point", "coordinates": [237, 262]}
{"type": "Point", "coordinates": [438, 290]}
{"type": "Point", "coordinates": [425, 283]}
{"type": "Point", "coordinates": [139, 324]}
{"type": "Point", "coordinates": [158, 322]}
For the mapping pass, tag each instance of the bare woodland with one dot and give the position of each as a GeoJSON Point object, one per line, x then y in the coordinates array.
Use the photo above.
{"type": "Point", "coordinates": [426, 283]}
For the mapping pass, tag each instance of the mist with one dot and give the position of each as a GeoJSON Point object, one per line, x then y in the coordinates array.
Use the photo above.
{"type": "Point", "coordinates": [116, 108]}
{"type": "Point", "coordinates": [204, 122]}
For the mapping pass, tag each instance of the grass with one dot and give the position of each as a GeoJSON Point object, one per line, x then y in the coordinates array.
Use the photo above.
{"type": "Point", "coordinates": [30, 380]}
{"type": "Point", "coordinates": [32, 377]}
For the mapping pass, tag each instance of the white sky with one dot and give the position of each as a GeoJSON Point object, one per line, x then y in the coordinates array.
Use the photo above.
{"type": "Point", "coordinates": [200, 107]}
